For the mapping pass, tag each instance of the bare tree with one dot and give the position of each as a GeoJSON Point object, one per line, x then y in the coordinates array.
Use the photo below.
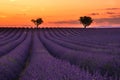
{"type": "Point", "coordinates": [86, 21]}
{"type": "Point", "coordinates": [37, 22]}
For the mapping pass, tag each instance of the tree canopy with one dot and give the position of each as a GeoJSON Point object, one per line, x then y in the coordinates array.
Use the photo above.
{"type": "Point", "coordinates": [37, 22]}
{"type": "Point", "coordinates": [86, 21]}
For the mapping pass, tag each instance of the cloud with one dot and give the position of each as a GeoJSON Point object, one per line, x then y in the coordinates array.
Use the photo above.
{"type": "Point", "coordinates": [112, 9]}
{"type": "Point", "coordinates": [111, 13]}
{"type": "Point", "coordinates": [111, 20]}
{"type": "Point", "coordinates": [107, 13]}
{"type": "Point", "coordinates": [94, 14]}
{"type": "Point", "coordinates": [66, 22]}
{"type": "Point", "coordinates": [115, 16]}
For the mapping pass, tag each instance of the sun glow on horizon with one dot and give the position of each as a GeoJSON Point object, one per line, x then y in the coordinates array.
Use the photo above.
{"type": "Point", "coordinates": [59, 12]}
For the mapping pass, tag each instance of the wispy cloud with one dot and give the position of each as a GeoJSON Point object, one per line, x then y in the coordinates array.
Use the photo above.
{"type": "Point", "coordinates": [94, 14]}
{"type": "Point", "coordinates": [66, 22]}
{"type": "Point", "coordinates": [111, 13]}
{"type": "Point", "coordinates": [108, 13]}
{"type": "Point", "coordinates": [112, 20]}
{"type": "Point", "coordinates": [115, 16]}
{"type": "Point", "coordinates": [112, 9]}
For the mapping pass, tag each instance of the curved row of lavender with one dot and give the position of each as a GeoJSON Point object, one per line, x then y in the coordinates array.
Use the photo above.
{"type": "Point", "coordinates": [6, 45]}
{"type": "Point", "coordinates": [43, 66]}
{"type": "Point", "coordinates": [59, 54]}
{"type": "Point", "coordinates": [102, 57]}
{"type": "Point", "coordinates": [13, 62]}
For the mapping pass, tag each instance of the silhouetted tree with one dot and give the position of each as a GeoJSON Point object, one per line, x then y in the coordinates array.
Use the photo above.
{"type": "Point", "coordinates": [86, 21]}
{"type": "Point", "coordinates": [37, 22]}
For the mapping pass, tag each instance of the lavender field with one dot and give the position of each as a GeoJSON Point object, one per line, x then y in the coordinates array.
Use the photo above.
{"type": "Point", "coordinates": [60, 54]}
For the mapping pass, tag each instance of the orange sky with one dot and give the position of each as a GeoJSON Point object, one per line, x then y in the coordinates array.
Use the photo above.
{"type": "Point", "coordinates": [59, 12]}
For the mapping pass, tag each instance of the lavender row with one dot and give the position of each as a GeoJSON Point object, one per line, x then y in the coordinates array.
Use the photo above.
{"type": "Point", "coordinates": [4, 35]}
{"type": "Point", "coordinates": [113, 45]}
{"type": "Point", "coordinates": [10, 46]}
{"type": "Point", "coordinates": [10, 35]}
{"type": "Point", "coordinates": [81, 36]}
{"type": "Point", "coordinates": [103, 37]}
{"type": "Point", "coordinates": [12, 64]}
{"type": "Point", "coordinates": [12, 38]}
{"type": "Point", "coordinates": [43, 66]}
{"type": "Point", "coordinates": [64, 43]}
{"type": "Point", "coordinates": [67, 37]}
{"type": "Point", "coordinates": [91, 61]}
{"type": "Point", "coordinates": [4, 32]}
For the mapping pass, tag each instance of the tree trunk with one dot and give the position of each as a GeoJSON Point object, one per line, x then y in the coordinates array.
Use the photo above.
{"type": "Point", "coordinates": [85, 26]}
{"type": "Point", "coordinates": [36, 26]}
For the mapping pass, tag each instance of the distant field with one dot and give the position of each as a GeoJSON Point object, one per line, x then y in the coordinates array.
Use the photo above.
{"type": "Point", "coordinates": [60, 54]}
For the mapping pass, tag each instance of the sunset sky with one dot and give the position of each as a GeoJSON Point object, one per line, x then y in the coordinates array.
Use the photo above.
{"type": "Point", "coordinates": [59, 12]}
